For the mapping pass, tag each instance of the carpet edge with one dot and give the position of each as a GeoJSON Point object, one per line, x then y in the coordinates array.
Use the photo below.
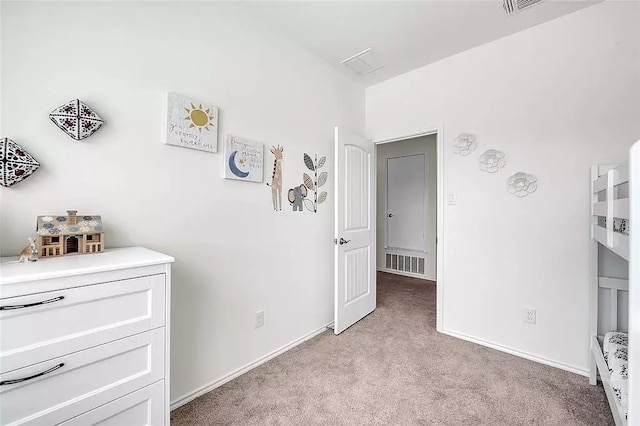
{"type": "Point", "coordinates": [180, 401]}
{"type": "Point", "coordinates": [518, 353]}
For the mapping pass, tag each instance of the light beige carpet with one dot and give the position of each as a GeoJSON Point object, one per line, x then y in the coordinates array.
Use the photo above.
{"type": "Point", "coordinates": [393, 368]}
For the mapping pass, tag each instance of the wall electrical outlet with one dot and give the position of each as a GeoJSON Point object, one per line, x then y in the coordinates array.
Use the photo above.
{"type": "Point", "coordinates": [260, 319]}
{"type": "Point", "coordinates": [530, 315]}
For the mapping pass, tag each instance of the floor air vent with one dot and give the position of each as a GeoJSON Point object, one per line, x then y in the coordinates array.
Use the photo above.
{"type": "Point", "coordinates": [513, 6]}
{"type": "Point", "coordinates": [404, 263]}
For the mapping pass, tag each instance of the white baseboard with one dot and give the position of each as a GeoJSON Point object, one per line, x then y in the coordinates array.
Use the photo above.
{"type": "Point", "coordinates": [217, 383]}
{"type": "Point", "coordinates": [405, 274]}
{"type": "Point", "coordinates": [518, 353]}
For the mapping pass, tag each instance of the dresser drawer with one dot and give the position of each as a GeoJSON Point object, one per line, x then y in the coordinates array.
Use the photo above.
{"type": "Point", "coordinates": [140, 408]}
{"type": "Point", "coordinates": [80, 382]}
{"type": "Point", "coordinates": [77, 318]}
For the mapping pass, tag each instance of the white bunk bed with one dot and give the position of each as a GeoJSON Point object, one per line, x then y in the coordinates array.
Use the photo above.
{"type": "Point", "coordinates": [610, 218]}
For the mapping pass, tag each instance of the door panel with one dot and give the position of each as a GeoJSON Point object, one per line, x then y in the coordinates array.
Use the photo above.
{"type": "Point", "coordinates": [406, 202]}
{"type": "Point", "coordinates": [355, 279]}
{"type": "Point", "coordinates": [357, 274]}
{"type": "Point", "coordinates": [357, 176]}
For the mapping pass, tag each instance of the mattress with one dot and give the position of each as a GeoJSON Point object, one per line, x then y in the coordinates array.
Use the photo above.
{"type": "Point", "coordinates": [615, 350]}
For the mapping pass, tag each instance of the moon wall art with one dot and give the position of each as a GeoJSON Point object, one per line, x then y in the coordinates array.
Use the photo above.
{"type": "Point", "coordinates": [243, 159]}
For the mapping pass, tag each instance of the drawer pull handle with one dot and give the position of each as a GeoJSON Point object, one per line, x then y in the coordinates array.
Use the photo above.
{"type": "Point", "coordinates": [29, 305]}
{"type": "Point", "coordinates": [24, 379]}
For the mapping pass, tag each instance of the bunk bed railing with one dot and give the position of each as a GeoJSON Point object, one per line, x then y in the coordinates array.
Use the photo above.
{"type": "Point", "coordinates": [613, 285]}
{"type": "Point", "coordinates": [615, 241]}
{"type": "Point", "coordinates": [608, 201]}
{"type": "Point", "coordinates": [601, 182]}
{"type": "Point", "coordinates": [634, 290]}
{"type": "Point", "coordinates": [620, 208]}
{"type": "Point", "coordinates": [605, 203]}
{"type": "Point", "coordinates": [608, 179]}
{"type": "Point", "coordinates": [612, 175]}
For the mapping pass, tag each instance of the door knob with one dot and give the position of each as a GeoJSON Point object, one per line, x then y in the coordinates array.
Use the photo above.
{"type": "Point", "coordinates": [343, 241]}
{"type": "Point", "coordinates": [390, 215]}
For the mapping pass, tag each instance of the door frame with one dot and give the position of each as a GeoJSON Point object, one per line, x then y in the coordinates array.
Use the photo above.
{"type": "Point", "coordinates": [440, 279]}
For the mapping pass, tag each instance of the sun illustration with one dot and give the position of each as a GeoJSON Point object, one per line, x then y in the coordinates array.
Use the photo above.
{"type": "Point", "coordinates": [199, 117]}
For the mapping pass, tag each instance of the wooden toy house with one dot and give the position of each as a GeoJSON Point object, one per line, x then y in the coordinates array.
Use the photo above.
{"type": "Point", "coordinates": [71, 234]}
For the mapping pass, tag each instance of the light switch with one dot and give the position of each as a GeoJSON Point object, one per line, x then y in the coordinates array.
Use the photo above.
{"type": "Point", "coordinates": [452, 199]}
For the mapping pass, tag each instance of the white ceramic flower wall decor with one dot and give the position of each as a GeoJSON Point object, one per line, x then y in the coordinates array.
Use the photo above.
{"type": "Point", "coordinates": [492, 160]}
{"type": "Point", "coordinates": [522, 184]}
{"type": "Point", "coordinates": [465, 144]}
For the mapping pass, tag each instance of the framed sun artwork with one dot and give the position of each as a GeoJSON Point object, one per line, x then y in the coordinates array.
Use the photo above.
{"type": "Point", "coordinates": [191, 123]}
{"type": "Point", "coordinates": [243, 159]}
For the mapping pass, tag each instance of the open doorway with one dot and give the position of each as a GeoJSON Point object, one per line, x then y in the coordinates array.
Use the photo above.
{"type": "Point", "coordinates": [406, 207]}
{"type": "Point", "coordinates": [409, 211]}
{"type": "Point", "coordinates": [356, 221]}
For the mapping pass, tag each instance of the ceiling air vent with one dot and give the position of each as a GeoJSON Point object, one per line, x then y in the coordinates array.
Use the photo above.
{"type": "Point", "coordinates": [363, 63]}
{"type": "Point", "coordinates": [513, 6]}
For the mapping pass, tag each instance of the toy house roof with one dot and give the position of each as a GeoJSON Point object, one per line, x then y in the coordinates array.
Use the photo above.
{"type": "Point", "coordinates": [59, 225]}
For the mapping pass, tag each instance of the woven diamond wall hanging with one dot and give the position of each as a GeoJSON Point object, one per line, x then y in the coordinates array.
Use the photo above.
{"type": "Point", "coordinates": [16, 164]}
{"type": "Point", "coordinates": [76, 119]}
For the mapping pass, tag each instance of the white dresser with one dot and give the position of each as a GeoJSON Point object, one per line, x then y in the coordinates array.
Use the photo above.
{"type": "Point", "coordinates": [85, 339]}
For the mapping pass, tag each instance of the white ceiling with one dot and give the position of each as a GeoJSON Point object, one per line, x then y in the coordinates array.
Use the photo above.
{"type": "Point", "coordinates": [404, 35]}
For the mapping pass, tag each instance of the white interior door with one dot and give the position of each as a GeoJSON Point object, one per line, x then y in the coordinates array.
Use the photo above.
{"type": "Point", "coordinates": [406, 202]}
{"type": "Point", "coordinates": [355, 238]}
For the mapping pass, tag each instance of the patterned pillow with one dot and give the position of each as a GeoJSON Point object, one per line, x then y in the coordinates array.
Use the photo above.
{"type": "Point", "coordinates": [16, 164]}
{"type": "Point", "coordinates": [76, 119]}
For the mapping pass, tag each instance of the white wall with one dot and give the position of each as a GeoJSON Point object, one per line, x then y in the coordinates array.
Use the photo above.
{"type": "Point", "coordinates": [234, 255]}
{"type": "Point", "coordinates": [423, 145]}
{"type": "Point", "coordinates": [556, 98]}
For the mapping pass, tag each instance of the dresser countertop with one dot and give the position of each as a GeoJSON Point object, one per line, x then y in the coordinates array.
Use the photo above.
{"type": "Point", "coordinates": [109, 260]}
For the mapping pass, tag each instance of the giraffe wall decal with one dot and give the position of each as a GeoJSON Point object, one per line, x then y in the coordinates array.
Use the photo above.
{"type": "Point", "coordinates": [276, 178]}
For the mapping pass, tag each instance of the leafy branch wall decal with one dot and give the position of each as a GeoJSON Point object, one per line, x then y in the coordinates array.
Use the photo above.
{"type": "Point", "coordinates": [315, 182]}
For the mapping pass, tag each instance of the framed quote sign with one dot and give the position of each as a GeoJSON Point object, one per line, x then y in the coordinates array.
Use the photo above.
{"type": "Point", "coordinates": [191, 123]}
{"type": "Point", "coordinates": [243, 159]}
